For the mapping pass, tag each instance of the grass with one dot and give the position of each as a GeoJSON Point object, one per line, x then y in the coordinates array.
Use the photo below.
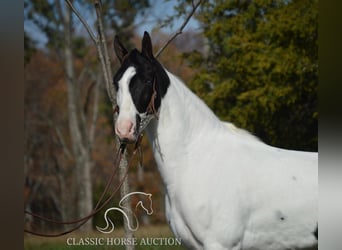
{"type": "Point", "coordinates": [60, 243]}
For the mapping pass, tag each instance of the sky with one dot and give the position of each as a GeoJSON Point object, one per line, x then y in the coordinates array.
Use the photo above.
{"type": "Point", "coordinates": [162, 9]}
{"type": "Point", "coordinates": [159, 11]}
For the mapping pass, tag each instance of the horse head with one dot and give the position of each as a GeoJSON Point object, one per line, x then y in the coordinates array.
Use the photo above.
{"type": "Point", "coordinates": [141, 83]}
{"type": "Point", "coordinates": [146, 204]}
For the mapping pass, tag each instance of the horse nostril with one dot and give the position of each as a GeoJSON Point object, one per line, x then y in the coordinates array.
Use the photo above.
{"type": "Point", "coordinates": [125, 130]}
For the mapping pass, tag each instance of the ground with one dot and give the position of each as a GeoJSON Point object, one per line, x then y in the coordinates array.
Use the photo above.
{"type": "Point", "coordinates": [60, 243]}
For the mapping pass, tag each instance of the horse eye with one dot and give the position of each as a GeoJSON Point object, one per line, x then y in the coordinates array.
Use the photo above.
{"type": "Point", "coordinates": [148, 82]}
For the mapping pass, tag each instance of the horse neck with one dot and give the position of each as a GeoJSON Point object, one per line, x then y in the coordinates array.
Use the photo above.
{"type": "Point", "coordinates": [183, 120]}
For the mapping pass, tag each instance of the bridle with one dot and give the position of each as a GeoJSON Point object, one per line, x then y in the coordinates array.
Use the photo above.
{"type": "Point", "coordinates": [151, 109]}
{"type": "Point", "coordinates": [81, 221]}
{"type": "Point", "coordinates": [150, 113]}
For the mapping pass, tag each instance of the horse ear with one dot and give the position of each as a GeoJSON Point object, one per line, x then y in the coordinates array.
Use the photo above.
{"type": "Point", "coordinates": [119, 49]}
{"type": "Point", "coordinates": [146, 45]}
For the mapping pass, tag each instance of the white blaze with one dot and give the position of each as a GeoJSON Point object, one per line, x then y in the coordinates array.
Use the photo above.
{"type": "Point", "coordinates": [126, 120]}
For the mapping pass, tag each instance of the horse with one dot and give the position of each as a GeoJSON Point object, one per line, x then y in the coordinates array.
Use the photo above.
{"type": "Point", "coordinates": [224, 188]}
{"type": "Point", "coordinates": [110, 227]}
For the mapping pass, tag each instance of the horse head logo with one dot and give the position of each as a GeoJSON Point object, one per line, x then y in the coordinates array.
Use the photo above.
{"type": "Point", "coordinates": [141, 203]}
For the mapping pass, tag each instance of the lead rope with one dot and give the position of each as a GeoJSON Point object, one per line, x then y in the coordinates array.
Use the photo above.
{"type": "Point", "coordinates": [150, 109]}
{"type": "Point", "coordinates": [97, 207]}
{"type": "Point", "coordinates": [115, 168]}
{"type": "Point", "coordinates": [98, 203]}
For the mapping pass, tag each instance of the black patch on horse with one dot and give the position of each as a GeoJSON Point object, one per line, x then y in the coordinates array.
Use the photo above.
{"type": "Point", "coordinates": [150, 75]}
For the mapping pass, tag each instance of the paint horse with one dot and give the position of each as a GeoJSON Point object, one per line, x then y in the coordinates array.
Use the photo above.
{"type": "Point", "coordinates": [225, 189]}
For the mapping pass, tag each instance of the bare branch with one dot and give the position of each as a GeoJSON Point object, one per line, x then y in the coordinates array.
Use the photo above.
{"type": "Point", "coordinates": [62, 141]}
{"type": "Point", "coordinates": [95, 111]}
{"type": "Point", "coordinates": [88, 97]}
{"type": "Point", "coordinates": [180, 30]}
{"type": "Point", "coordinates": [87, 27]}
{"type": "Point", "coordinates": [59, 136]}
{"type": "Point", "coordinates": [83, 73]}
{"type": "Point", "coordinates": [103, 54]}
{"type": "Point", "coordinates": [58, 132]}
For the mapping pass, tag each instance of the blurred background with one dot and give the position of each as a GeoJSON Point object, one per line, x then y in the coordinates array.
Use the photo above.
{"type": "Point", "coordinates": [254, 62]}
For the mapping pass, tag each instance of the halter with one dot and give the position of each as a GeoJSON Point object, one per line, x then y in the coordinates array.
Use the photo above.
{"type": "Point", "coordinates": [151, 108]}
{"type": "Point", "coordinates": [150, 113]}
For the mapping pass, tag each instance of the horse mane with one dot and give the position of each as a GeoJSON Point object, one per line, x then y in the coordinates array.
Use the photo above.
{"type": "Point", "coordinates": [239, 131]}
{"type": "Point", "coordinates": [194, 99]}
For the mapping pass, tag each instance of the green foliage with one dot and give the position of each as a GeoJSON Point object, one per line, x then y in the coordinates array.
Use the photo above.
{"type": "Point", "coordinates": [182, 8]}
{"type": "Point", "coordinates": [261, 71]}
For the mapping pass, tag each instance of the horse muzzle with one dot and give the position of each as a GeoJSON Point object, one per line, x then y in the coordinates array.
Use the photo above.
{"type": "Point", "coordinates": [126, 131]}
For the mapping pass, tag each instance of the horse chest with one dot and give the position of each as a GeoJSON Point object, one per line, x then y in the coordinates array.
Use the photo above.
{"type": "Point", "coordinates": [178, 223]}
{"type": "Point", "coordinates": [193, 208]}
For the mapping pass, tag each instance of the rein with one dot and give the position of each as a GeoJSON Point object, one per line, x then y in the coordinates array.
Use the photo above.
{"type": "Point", "coordinates": [83, 220]}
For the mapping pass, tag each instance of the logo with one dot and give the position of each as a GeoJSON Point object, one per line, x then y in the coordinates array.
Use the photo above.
{"type": "Point", "coordinates": [145, 204]}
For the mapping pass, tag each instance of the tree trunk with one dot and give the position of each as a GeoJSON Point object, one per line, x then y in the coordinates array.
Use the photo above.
{"type": "Point", "coordinates": [84, 189]}
{"type": "Point", "coordinates": [78, 134]}
{"type": "Point", "coordinates": [124, 190]}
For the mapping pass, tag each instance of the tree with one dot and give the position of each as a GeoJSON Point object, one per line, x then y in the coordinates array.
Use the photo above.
{"type": "Point", "coordinates": [260, 70]}
{"type": "Point", "coordinates": [55, 20]}
{"type": "Point", "coordinates": [104, 58]}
